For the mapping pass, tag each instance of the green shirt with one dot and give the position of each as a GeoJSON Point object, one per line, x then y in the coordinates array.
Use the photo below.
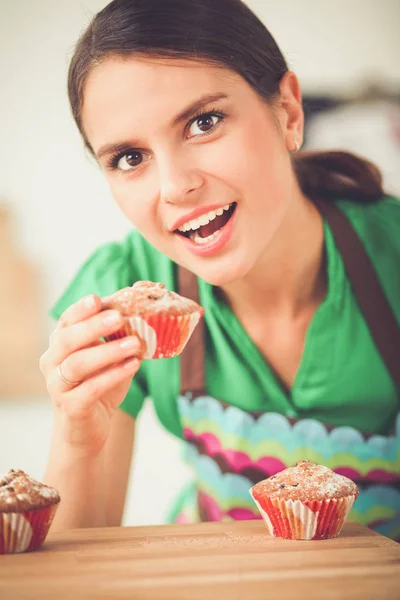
{"type": "Point", "coordinates": [341, 379]}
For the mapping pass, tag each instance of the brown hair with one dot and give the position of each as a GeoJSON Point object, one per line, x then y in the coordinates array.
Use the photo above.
{"type": "Point", "coordinates": [223, 32]}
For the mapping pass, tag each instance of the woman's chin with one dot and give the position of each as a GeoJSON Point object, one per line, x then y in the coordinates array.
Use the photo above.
{"type": "Point", "coordinates": [221, 275]}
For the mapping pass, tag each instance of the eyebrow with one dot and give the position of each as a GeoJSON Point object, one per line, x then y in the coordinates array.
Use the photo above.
{"type": "Point", "coordinates": [198, 105]}
{"type": "Point", "coordinates": [183, 116]}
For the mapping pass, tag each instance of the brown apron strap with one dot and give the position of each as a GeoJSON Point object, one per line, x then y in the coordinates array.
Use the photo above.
{"type": "Point", "coordinates": [373, 303]}
{"type": "Point", "coordinates": [371, 298]}
{"type": "Point", "coordinates": [193, 357]}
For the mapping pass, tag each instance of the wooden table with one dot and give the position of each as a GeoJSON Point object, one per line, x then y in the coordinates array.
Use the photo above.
{"type": "Point", "coordinates": [233, 560]}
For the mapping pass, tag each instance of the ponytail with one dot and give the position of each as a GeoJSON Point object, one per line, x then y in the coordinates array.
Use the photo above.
{"type": "Point", "coordinates": [336, 174]}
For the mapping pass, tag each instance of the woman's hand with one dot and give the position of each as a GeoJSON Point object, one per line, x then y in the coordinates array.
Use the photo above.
{"type": "Point", "coordinates": [87, 378]}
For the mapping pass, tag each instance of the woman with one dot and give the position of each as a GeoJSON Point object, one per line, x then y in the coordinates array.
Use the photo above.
{"type": "Point", "coordinates": [193, 115]}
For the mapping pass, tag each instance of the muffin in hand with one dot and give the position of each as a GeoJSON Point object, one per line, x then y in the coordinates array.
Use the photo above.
{"type": "Point", "coordinates": [305, 502]}
{"type": "Point", "coordinates": [163, 320]}
{"type": "Point", "coordinates": [27, 509]}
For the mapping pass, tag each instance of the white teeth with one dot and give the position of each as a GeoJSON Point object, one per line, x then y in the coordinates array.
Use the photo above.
{"type": "Point", "coordinates": [195, 237]}
{"type": "Point", "coordinates": [204, 219]}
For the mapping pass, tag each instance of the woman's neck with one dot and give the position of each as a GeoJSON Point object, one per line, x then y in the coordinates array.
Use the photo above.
{"type": "Point", "coordinates": [291, 276]}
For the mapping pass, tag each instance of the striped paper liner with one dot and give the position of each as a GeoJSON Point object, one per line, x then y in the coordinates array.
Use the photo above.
{"type": "Point", "coordinates": [25, 531]}
{"type": "Point", "coordinates": [164, 335]}
{"type": "Point", "coordinates": [295, 520]}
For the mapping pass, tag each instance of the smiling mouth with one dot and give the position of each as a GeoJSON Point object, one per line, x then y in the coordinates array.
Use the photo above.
{"type": "Point", "coordinates": [206, 228]}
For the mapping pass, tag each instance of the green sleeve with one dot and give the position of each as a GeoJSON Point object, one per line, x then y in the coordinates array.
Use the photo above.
{"type": "Point", "coordinates": [108, 269]}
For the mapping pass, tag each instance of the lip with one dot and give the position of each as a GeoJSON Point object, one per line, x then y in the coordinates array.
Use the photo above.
{"type": "Point", "coordinates": [195, 214]}
{"type": "Point", "coordinates": [214, 246]}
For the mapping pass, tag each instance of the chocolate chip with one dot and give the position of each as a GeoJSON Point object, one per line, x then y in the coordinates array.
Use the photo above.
{"type": "Point", "coordinates": [273, 477]}
{"type": "Point", "coordinates": [282, 485]}
{"type": "Point", "coordinates": [10, 489]}
{"type": "Point", "coordinates": [150, 297]}
{"type": "Point", "coordinates": [295, 484]}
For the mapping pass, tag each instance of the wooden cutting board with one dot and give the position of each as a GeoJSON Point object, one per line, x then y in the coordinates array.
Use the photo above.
{"type": "Point", "coordinates": [205, 561]}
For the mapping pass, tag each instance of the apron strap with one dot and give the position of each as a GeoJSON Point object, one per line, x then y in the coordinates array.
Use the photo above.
{"type": "Point", "coordinates": [374, 305]}
{"type": "Point", "coordinates": [193, 357]}
{"type": "Point", "coordinates": [367, 289]}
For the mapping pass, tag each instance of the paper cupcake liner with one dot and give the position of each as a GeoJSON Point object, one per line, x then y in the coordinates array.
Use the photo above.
{"type": "Point", "coordinates": [25, 531]}
{"type": "Point", "coordinates": [295, 520]}
{"type": "Point", "coordinates": [164, 335]}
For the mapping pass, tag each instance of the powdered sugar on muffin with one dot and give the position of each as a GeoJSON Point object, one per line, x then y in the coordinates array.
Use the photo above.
{"type": "Point", "coordinates": [307, 481]}
{"type": "Point", "coordinates": [145, 296]}
{"type": "Point", "coordinates": [19, 492]}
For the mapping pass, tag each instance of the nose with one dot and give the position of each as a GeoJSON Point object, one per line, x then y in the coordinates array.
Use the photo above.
{"type": "Point", "coordinates": [179, 179]}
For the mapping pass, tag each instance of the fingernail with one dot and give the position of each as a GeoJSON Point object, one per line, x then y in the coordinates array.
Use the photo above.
{"type": "Point", "coordinates": [89, 302]}
{"type": "Point", "coordinates": [132, 365]}
{"type": "Point", "coordinates": [127, 343]}
{"type": "Point", "coordinates": [111, 319]}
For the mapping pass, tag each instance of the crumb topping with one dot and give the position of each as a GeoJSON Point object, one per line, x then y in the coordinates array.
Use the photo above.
{"type": "Point", "coordinates": [147, 296]}
{"type": "Point", "coordinates": [19, 492]}
{"type": "Point", "coordinates": [306, 481]}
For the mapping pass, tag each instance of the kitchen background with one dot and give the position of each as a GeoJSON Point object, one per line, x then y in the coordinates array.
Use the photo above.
{"type": "Point", "coordinates": [55, 206]}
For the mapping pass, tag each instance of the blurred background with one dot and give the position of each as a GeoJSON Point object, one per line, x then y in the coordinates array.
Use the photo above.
{"type": "Point", "coordinates": [55, 206]}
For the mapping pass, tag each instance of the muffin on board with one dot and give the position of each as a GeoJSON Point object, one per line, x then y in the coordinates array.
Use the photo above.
{"type": "Point", "coordinates": [163, 320]}
{"type": "Point", "coordinates": [27, 509]}
{"type": "Point", "coordinates": [305, 502]}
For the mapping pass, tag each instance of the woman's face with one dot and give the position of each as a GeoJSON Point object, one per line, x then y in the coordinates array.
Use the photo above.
{"type": "Point", "coordinates": [194, 158]}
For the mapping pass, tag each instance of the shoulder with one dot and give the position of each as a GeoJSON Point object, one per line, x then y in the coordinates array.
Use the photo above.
{"type": "Point", "coordinates": [378, 227]}
{"type": "Point", "coordinates": [113, 266]}
{"type": "Point", "coordinates": [378, 224]}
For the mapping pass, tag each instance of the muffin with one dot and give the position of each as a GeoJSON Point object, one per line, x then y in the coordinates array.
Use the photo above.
{"type": "Point", "coordinates": [305, 502]}
{"type": "Point", "coordinates": [163, 320]}
{"type": "Point", "coordinates": [27, 509]}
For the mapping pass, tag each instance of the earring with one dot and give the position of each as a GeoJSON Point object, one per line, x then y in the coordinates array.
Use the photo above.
{"type": "Point", "coordinates": [296, 146]}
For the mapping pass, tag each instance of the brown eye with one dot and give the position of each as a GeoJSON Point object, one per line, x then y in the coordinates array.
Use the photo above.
{"type": "Point", "coordinates": [204, 124]}
{"type": "Point", "coordinates": [130, 160]}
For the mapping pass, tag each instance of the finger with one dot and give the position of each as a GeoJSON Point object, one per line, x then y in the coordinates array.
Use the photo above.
{"type": "Point", "coordinates": [85, 363]}
{"type": "Point", "coordinates": [46, 364]}
{"type": "Point", "coordinates": [81, 310]}
{"type": "Point", "coordinates": [66, 383]}
{"type": "Point", "coordinates": [83, 334]}
{"type": "Point", "coordinates": [81, 399]}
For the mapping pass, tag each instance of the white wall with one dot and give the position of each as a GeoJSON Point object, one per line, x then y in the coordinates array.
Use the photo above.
{"type": "Point", "coordinates": [63, 206]}
{"type": "Point", "coordinates": [334, 45]}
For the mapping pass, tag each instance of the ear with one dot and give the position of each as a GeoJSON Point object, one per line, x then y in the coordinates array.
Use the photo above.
{"type": "Point", "coordinates": [290, 110]}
